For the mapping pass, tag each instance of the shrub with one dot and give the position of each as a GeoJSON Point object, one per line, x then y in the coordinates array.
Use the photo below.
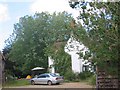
{"type": "Point", "coordinates": [10, 77]}
{"type": "Point", "coordinates": [69, 75]}
{"type": "Point", "coordinates": [84, 75]}
{"type": "Point", "coordinates": [92, 80]}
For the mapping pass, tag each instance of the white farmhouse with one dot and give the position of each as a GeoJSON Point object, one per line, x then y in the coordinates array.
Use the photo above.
{"type": "Point", "coordinates": [73, 47]}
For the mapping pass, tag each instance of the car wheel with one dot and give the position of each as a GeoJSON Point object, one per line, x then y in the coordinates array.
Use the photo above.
{"type": "Point", "coordinates": [49, 83]}
{"type": "Point", "coordinates": [32, 82]}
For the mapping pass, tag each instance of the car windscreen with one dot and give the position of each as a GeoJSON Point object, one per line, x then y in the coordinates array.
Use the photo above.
{"type": "Point", "coordinates": [53, 74]}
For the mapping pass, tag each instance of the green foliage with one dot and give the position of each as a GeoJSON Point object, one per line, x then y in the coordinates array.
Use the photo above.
{"type": "Point", "coordinates": [92, 80]}
{"type": "Point", "coordinates": [14, 83]}
{"type": "Point", "coordinates": [84, 75]}
{"type": "Point", "coordinates": [99, 32]}
{"type": "Point", "coordinates": [62, 61]}
{"type": "Point", "coordinates": [69, 75]}
{"type": "Point", "coordinates": [33, 35]}
{"type": "Point", "coordinates": [10, 77]}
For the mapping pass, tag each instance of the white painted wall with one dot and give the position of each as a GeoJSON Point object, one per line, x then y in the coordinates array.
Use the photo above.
{"type": "Point", "coordinates": [76, 63]}
{"type": "Point", "coordinates": [51, 67]}
{"type": "Point", "coordinates": [73, 47]}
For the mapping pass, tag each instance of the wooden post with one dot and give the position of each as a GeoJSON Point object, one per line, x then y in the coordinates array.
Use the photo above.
{"type": "Point", "coordinates": [2, 73]}
{"type": "Point", "coordinates": [0, 70]}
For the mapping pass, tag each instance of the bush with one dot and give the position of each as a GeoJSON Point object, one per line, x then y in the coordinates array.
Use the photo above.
{"type": "Point", "coordinates": [69, 76]}
{"type": "Point", "coordinates": [92, 80]}
{"type": "Point", "coordinates": [84, 75]}
{"type": "Point", "coordinates": [10, 77]}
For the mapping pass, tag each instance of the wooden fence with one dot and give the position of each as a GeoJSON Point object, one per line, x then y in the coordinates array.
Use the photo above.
{"type": "Point", "coordinates": [105, 81]}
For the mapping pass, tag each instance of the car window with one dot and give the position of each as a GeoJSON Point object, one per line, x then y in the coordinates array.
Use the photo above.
{"type": "Point", "coordinates": [57, 74]}
{"type": "Point", "coordinates": [47, 76]}
{"type": "Point", "coordinates": [53, 74]}
{"type": "Point", "coordinates": [42, 76]}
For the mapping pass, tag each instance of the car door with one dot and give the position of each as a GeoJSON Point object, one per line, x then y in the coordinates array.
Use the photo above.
{"type": "Point", "coordinates": [42, 79]}
{"type": "Point", "coordinates": [38, 80]}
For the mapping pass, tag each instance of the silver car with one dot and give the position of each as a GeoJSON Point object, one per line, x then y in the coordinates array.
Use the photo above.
{"type": "Point", "coordinates": [47, 78]}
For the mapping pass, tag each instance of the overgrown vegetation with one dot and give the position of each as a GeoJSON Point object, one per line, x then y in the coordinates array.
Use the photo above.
{"type": "Point", "coordinates": [42, 35]}
{"type": "Point", "coordinates": [99, 32]}
{"type": "Point", "coordinates": [92, 80]}
{"type": "Point", "coordinates": [85, 76]}
{"type": "Point", "coordinates": [62, 61]}
{"type": "Point", "coordinates": [32, 36]}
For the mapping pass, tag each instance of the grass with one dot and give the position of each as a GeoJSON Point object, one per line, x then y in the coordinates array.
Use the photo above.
{"type": "Point", "coordinates": [91, 81]}
{"type": "Point", "coordinates": [14, 83]}
{"type": "Point", "coordinates": [88, 80]}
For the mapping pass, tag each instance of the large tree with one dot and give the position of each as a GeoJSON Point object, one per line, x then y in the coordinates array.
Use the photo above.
{"type": "Point", "coordinates": [100, 21]}
{"type": "Point", "coordinates": [33, 34]}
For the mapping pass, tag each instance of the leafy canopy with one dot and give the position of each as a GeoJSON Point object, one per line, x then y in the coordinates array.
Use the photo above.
{"type": "Point", "coordinates": [100, 21]}
{"type": "Point", "coordinates": [32, 37]}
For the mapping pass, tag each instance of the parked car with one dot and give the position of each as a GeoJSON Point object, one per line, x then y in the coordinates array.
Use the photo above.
{"type": "Point", "coordinates": [47, 78]}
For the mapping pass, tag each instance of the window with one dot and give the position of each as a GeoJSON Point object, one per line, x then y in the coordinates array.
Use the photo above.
{"type": "Point", "coordinates": [47, 76]}
{"type": "Point", "coordinates": [53, 74]}
{"type": "Point", "coordinates": [42, 76]}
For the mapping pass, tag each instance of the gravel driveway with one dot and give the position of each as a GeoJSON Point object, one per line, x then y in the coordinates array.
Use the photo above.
{"type": "Point", "coordinates": [63, 85]}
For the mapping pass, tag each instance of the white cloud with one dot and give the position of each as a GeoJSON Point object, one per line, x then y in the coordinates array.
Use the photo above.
{"type": "Point", "coordinates": [52, 6]}
{"type": "Point", "coordinates": [4, 13]}
{"type": "Point", "coordinates": [16, 1]}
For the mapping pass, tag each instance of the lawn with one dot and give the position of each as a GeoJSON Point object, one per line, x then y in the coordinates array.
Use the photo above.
{"type": "Point", "coordinates": [13, 83]}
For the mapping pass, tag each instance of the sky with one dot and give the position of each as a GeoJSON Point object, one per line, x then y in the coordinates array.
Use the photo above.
{"type": "Point", "coordinates": [12, 10]}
